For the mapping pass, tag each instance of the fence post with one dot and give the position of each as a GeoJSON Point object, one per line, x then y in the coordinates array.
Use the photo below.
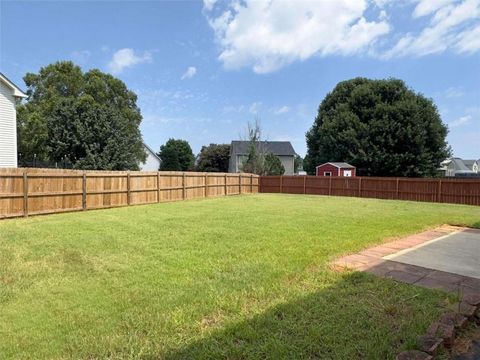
{"type": "Point", "coordinates": [281, 184]}
{"type": "Point", "coordinates": [330, 185]}
{"type": "Point", "coordinates": [206, 185]}
{"type": "Point", "coordinates": [183, 186]}
{"type": "Point", "coordinates": [304, 184]}
{"type": "Point", "coordinates": [158, 186]}
{"type": "Point", "coordinates": [398, 189]}
{"type": "Point", "coordinates": [128, 188]}
{"type": "Point", "coordinates": [25, 194]}
{"type": "Point", "coordinates": [225, 179]}
{"type": "Point", "coordinates": [240, 183]}
{"type": "Point", "coordinates": [360, 187]}
{"type": "Point", "coordinates": [251, 183]}
{"type": "Point", "coordinates": [439, 194]}
{"type": "Point", "coordinates": [84, 191]}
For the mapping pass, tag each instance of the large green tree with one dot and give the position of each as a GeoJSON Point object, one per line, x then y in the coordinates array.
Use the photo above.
{"type": "Point", "coordinates": [176, 155]}
{"type": "Point", "coordinates": [214, 158]}
{"type": "Point", "coordinates": [273, 165]}
{"type": "Point", "coordinates": [89, 119]}
{"type": "Point", "coordinates": [380, 126]}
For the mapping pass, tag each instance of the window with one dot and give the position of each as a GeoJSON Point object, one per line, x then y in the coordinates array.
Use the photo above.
{"type": "Point", "coordinates": [347, 173]}
{"type": "Point", "coordinates": [327, 173]}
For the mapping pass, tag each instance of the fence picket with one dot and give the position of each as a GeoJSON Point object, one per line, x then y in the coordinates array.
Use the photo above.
{"type": "Point", "coordinates": [457, 191]}
{"type": "Point", "coordinates": [33, 191]}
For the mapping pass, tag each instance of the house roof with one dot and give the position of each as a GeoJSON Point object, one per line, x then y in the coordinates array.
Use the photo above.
{"type": "Point", "coordinates": [149, 149]}
{"type": "Point", "coordinates": [17, 92]}
{"type": "Point", "coordinates": [469, 163]}
{"type": "Point", "coordinates": [459, 164]}
{"type": "Point", "coordinates": [279, 148]}
{"type": "Point", "coordinates": [341, 165]}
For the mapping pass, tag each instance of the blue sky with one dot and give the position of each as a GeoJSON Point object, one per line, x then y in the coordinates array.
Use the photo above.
{"type": "Point", "coordinates": [202, 70]}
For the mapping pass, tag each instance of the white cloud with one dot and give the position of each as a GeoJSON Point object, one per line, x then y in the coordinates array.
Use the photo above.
{"type": "Point", "coordinates": [268, 35]}
{"type": "Point", "coordinates": [469, 41]}
{"type": "Point", "coordinates": [125, 58]}
{"type": "Point", "coordinates": [426, 7]}
{"type": "Point", "coordinates": [454, 92]}
{"type": "Point", "coordinates": [81, 56]}
{"type": "Point", "coordinates": [189, 73]}
{"type": "Point", "coordinates": [282, 110]}
{"type": "Point", "coordinates": [255, 107]}
{"type": "Point", "coordinates": [208, 4]}
{"type": "Point", "coordinates": [464, 120]}
{"type": "Point", "coordinates": [453, 25]}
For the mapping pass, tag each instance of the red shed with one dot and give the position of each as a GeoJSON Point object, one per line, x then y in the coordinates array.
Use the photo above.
{"type": "Point", "coordinates": [336, 169]}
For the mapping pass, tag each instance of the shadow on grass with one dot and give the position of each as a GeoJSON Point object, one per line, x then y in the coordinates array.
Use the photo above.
{"type": "Point", "coordinates": [476, 225]}
{"type": "Point", "coordinates": [359, 317]}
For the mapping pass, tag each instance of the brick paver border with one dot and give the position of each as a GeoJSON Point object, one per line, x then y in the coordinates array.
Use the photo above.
{"type": "Point", "coordinates": [443, 332]}
{"type": "Point", "coordinates": [371, 261]}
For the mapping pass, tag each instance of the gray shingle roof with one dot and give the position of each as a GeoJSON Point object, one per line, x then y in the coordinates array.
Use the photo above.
{"type": "Point", "coordinates": [278, 148]}
{"type": "Point", "coordinates": [469, 163]}
{"type": "Point", "coordinates": [459, 164]}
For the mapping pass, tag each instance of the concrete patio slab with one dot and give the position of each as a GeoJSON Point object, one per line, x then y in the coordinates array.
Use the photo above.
{"type": "Point", "coordinates": [425, 267]}
{"type": "Point", "coordinates": [455, 253]}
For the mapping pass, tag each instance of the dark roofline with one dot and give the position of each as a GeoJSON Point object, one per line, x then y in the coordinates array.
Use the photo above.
{"type": "Point", "coordinates": [337, 166]}
{"type": "Point", "coordinates": [12, 84]}
{"type": "Point", "coordinates": [280, 148]}
{"type": "Point", "coordinates": [151, 151]}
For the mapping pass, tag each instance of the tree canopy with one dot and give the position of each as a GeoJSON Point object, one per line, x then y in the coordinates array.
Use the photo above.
{"type": "Point", "coordinates": [380, 126]}
{"type": "Point", "coordinates": [273, 165]}
{"type": "Point", "coordinates": [176, 155]}
{"type": "Point", "coordinates": [91, 119]}
{"type": "Point", "coordinates": [214, 158]}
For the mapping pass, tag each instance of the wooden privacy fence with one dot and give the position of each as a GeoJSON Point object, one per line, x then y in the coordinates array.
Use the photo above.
{"type": "Point", "coordinates": [32, 191]}
{"type": "Point", "coordinates": [457, 191]}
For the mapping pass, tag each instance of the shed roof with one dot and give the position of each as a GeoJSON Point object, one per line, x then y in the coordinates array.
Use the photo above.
{"type": "Point", "coordinates": [17, 92]}
{"type": "Point", "coordinates": [341, 165]}
{"type": "Point", "coordinates": [279, 148]}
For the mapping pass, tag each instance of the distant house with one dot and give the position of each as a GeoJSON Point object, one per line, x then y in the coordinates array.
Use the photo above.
{"type": "Point", "coordinates": [283, 149]}
{"type": "Point", "coordinates": [152, 163]}
{"type": "Point", "coordinates": [335, 169]}
{"type": "Point", "coordinates": [456, 167]}
{"type": "Point", "coordinates": [473, 165]}
{"type": "Point", "coordinates": [10, 95]}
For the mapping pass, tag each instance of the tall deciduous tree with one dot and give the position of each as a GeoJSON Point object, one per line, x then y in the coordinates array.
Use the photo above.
{"type": "Point", "coordinates": [91, 119]}
{"type": "Point", "coordinates": [380, 126]}
{"type": "Point", "coordinates": [255, 159]}
{"type": "Point", "coordinates": [214, 158]}
{"type": "Point", "coordinates": [176, 155]}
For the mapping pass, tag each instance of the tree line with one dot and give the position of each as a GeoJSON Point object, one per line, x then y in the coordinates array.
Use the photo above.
{"type": "Point", "coordinates": [90, 120]}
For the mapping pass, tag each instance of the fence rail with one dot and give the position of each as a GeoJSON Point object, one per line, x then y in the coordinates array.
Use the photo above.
{"type": "Point", "coordinates": [456, 191]}
{"type": "Point", "coordinates": [32, 191]}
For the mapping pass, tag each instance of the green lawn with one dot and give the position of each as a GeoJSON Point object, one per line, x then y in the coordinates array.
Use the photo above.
{"type": "Point", "coordinates": [235, 277]}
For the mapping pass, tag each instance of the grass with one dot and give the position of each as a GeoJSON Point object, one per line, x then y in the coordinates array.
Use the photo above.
{"type": "Point", "coordinates": [236, 277]}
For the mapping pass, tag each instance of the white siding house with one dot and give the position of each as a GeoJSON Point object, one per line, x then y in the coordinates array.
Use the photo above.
{"type": "Point", "coordinates": [152, 163]}
{"type": "Point", "coordinates": [10, 94]}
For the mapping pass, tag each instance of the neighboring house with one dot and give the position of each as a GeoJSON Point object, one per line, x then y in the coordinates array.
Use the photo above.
{"type": "Point", "coordinates": [456, 167]}
{"type": "Point", "coordinates": [473, 165]}
{"type": "Point", "coordinates": [283, 149]}
{"type": "Point", "coordinates": [335, 169]}
{"type": "Point", "coordinates": [152, 163]}
{"type": "Point", "coordinates": [10, 95]}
